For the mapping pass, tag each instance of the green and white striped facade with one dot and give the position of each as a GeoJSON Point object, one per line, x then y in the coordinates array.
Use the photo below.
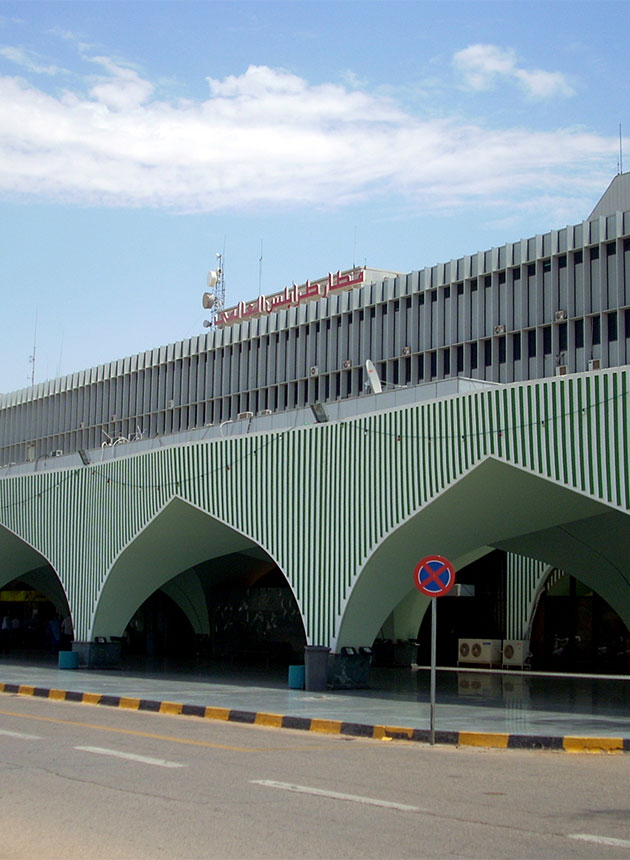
{"type": "Point", "coordinates": [346, 508]}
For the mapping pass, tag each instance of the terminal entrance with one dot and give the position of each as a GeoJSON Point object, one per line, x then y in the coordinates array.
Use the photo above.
{"type": "Point", "coordinates": [573, 629]}
{"type": "Point", "coordinates": [245, 615]}
{"type": "Point", "coordinates": [33, 610]}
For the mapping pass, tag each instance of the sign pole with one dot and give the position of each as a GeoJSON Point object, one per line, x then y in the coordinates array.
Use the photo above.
{"type": "Point", "coordinates": [433, 662]}
{"type": "Point", "coordinates": [434, 576]}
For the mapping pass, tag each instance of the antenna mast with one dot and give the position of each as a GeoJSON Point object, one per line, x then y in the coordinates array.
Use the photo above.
{"type": "Point", "coordinates": [214, 301]}
{"type": "Point", "coordinates": [620, 150]}
{"type": "Point", "coordinates": [31, 357]}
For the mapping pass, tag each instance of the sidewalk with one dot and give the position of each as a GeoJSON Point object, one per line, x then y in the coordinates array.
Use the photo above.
{"type": "Point", "coordinates": [494, 709]}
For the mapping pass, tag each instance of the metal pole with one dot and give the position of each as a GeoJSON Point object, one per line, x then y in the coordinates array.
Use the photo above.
{"type": "Point", "coordinates": [433, 660]}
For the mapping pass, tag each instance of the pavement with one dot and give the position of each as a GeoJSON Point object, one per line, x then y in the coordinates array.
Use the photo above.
{"type": "Point", "coordinates": [514, 709]}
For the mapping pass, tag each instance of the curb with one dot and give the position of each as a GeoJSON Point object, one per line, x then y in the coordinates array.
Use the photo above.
{"type": "Point", "coordinates": [493, 740]}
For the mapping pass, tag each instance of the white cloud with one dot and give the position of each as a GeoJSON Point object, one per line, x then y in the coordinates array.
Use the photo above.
{"type": "Point", "coordinates": [123, 90]}
{"type": "Point", "coordinates": [483, 66]}
{"type": "Point", "coordinates": [27, 59]}
{"type": "Point", "coordinates": [266, 137]}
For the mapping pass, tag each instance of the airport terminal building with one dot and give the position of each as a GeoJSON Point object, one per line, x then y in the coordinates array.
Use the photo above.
{"type": "Point", "coordinates": [554, 304]}
{"type": "Point", "coordinates": [558, 302]}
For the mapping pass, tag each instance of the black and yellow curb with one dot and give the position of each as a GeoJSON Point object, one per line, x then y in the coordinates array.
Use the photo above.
{"type": "Point", "coordinates": [493, 740]}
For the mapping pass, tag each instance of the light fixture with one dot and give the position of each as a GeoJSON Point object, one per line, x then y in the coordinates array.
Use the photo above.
{"type": "Point", "coordinates": [319, 412]}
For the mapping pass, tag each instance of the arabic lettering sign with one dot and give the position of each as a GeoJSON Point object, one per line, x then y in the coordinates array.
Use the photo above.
{"type": "Point", "coordinates": [292, 297]}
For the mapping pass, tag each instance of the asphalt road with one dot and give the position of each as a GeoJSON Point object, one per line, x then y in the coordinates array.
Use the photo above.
{"type": "Point", "coordinates": [84, 782]}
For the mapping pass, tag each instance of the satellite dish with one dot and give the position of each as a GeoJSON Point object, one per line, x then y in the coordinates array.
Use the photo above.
{"type": "Point", "coordinates": [207, 323]}
{"type": "Point", "coordinates": [208, 300]}
{"type": "Point", "coordinates": [373, 377]}
{"type": "Point", "coordinates": [211, 278]}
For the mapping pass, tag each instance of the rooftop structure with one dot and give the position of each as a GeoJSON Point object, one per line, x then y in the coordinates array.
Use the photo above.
{"type": "Point", "coordinates": [555, 303]}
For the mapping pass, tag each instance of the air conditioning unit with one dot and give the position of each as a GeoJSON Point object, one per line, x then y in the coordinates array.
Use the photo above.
{"type": "Point", "coordinates": [314, 371]}
{"type": "Point", "coordinates": [347, 364]}
{"type": "Point", "coordinates": [561, 370]}
{"type": "Point", "coordinates": [499, 329]}
{"type": "Point", "coordinates": [594, 364]}
{"type": "Point", "coordinates": [515, 652]}
{"type": "Point", "coordinates": [559, 316]}
{"type": "Point", "coordinates": [169, 404]}
{"type": "Point", "coordinates": [244, 416]}
{"type": "Point", "coordinates": [479, 651]}
{"type": "Point", "coordinates": [57, 453]}
{"type": "Point", "coordinates": [265, 412]}
{"type": "Point", "coordinates": [406, 350]}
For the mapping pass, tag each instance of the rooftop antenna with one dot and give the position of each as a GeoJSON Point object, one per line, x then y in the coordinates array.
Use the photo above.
{"type": "Point", "coordinates": [58, 371]}
{"type": "Point", "coordinates": [260, 261]}
{"type": "Point", "coordinates": [31, 357]}
{"type": "Point", "coordinates": [354, 248]}
{"type": "Point", "coordinates": [214, 299]}
{"type": "Point", "coordinates": [620, 150]}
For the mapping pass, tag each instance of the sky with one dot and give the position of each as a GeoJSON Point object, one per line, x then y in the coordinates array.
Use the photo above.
{"type": "Point", "coordinates": [139, 139]}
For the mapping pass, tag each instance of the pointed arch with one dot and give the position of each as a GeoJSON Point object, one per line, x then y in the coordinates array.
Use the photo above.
{"type": "Point", "coordinates": [496, 505]}
{"type": "Point", "coordinates": [179, 537]}
{"type": "Point", "coordinates": [20, 560]}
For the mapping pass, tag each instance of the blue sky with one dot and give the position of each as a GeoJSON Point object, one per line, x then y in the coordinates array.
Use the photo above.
{"type": "Point", "coordinates": [138, 139]}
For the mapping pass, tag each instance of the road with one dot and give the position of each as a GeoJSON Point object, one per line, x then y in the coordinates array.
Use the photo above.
{"type": "Point", "coordinates": [96, 783]}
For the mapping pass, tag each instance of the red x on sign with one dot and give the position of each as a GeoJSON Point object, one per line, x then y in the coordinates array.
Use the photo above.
{"type": "Point", "coordinates": [434, 576]}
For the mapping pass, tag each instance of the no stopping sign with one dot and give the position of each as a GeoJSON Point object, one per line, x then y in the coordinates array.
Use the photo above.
{"type": "Point", "coordinates": [434, 576]}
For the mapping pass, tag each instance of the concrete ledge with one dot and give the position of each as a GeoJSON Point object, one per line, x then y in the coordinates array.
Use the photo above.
{"type": "Point", "coordinates": [488, 740]}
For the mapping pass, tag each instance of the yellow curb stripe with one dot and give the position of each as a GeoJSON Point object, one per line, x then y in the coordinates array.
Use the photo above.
{"type": "Point", "coordinates": [570, 744]}
{"type": "Point", "coordinates": [383, 733]}
{"type": "Point", "coordinates": [217, 713]}
{"type": "Point", "coordinates": [483, 739]}
{"type": "Point", "coordinates": [592, 745]}
{"type": "Point", "coordinates": [172, 708]}
{"type": "Point", "coordinates": [272, 720]}
{"type": "Point", "coordinates": [327, 727]}
{"type": "Point", "coordinates": [57, 695]}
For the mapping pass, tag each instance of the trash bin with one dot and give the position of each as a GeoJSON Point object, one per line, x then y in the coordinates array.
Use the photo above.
{"type": "Point", "coordinates": [316, 667]}
{"type": "Point", "coordinates": [296, 677]}
{"type": "Point", "coordinates": [68, 660]}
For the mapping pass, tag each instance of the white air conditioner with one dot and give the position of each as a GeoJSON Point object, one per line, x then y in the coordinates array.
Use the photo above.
{"type": "Point", "coordinates": [243, 416]}
{"type": "Point", "coordinates": [406, 350]}
{"type": "Point", "coordinates": [57, 453]}
{"type": "Point", "coordinates": [347, 364]}
{"type": "Point", "coordinates": [561, 370]}
{"type": "Point", "coordinates": [479, 651]}
{"type": "Point", "coordinates": [499, 329]}
{"type": "Point", "coordinates": [515, 652]}
{"type": "Point", "coordinates": [314, 370]}
{"type": "Point", "coordinates": [594, 364]}
{"type": "Point", "coordinates": [559, 315]}
{"type": "Point", "coordinates": [265, 412]}
{"type": "Point", "coordinates": [169, 404]}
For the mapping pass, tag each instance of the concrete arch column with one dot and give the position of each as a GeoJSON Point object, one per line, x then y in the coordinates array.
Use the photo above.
{"type": "Point", "coordinates": [187, 592]}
